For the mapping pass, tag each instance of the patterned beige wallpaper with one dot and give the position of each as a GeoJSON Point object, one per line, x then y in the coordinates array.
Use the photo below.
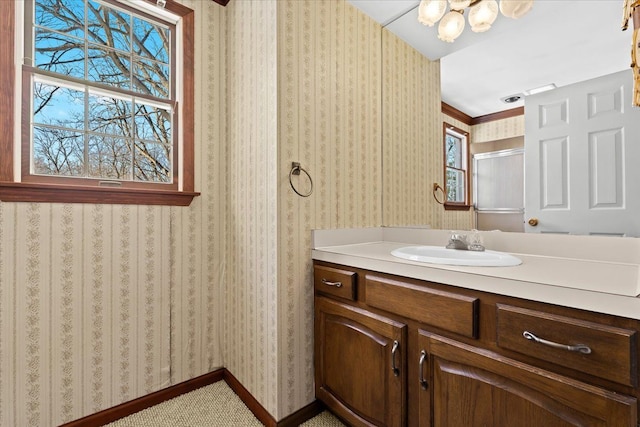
{"type": "Point", "coordinates": [250, 302]}
{"type": "Point", "coordinates": [103, 304]}
{"type": "Point", "coordinates": [100, 304]}
{"type": "Point", "coordinates": [498, 129]}
{"type": "Point", "coordinates": [412, 135]}
{"type": "Point", "coordinates": [308, 75]}
{"type": "Point", "coordinates": [329, 80]}
{"type": "Point", "coordinates": [455, 122]}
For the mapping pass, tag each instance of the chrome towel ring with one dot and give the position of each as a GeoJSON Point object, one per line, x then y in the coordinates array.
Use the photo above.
{"type": "Point", "coordinates": [295, 170]}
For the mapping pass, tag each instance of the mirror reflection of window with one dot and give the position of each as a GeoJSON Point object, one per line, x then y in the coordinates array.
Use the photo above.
{"type": "Point", "coordinates": [456, 148]}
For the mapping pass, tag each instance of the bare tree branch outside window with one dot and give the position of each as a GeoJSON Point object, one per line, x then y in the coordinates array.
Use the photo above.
{"type": "Point", "coordinates": [455, 169]}
{"type": "Point", "coordinates": [102, 92]}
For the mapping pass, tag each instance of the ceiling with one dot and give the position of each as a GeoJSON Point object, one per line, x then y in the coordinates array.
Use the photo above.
{"type": "Point", "coordinates": [558, 41]}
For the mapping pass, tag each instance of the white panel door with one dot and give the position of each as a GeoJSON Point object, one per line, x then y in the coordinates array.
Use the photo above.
{"type": "Point", "coordinates": [582, 159]}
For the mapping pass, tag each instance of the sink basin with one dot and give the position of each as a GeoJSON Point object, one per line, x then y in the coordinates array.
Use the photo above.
{"type": "Point", "coordinates": [444, 256]}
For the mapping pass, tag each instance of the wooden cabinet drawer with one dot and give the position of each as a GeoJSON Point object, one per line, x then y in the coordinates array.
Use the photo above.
{"type": "Point", "coordinates": [335, 282]}
{"type": "Point", "coordinates": [444, 310]}
{"type": "Point", "coordinates": [612, 351]}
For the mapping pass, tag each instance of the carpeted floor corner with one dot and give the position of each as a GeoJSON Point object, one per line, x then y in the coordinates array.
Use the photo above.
{"type": "Point", "coordinates": [324, 419]}
{"type": "Point", "coordinates": [210, 406]}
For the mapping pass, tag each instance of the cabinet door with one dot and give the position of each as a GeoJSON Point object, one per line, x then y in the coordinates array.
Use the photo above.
{"type": "Point", "coordinates": [469, 386]}
{"type": "Point", "coordinates": [360, 364]}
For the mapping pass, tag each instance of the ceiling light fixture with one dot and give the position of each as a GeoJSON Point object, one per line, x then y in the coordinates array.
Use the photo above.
{"type": "Point", "coordinates": [482, 13]}
{"type": "Point", "coordinates": [540, 89]}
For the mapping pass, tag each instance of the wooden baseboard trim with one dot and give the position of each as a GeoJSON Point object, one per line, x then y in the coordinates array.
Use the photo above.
{"type": "Point", "coordinates": [254, 406]}
{"type": "Point", "coordinates": [125, 409]}
{"type": "Point", "coordinates": [293, 420]}
{"type": "Point", "coordinates": [302, 415]}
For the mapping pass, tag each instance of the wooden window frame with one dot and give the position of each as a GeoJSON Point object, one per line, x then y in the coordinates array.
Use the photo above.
{"type": "Point", "coordinates": [456, 206]}
{"type": "Point", "coordinates": [14, 191]}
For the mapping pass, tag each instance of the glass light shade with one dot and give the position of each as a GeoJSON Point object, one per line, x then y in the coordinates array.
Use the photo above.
{"type": "Point", "coordinates": [515, 8]}
{"type": "Point", "coordinates": [451, 26]}
{"type": "Point", "coordinates": [482, 15]}
{"type": "Point", "coordinates": [459, 4]}
{"type": "Point", "coordinates": [430, 11]}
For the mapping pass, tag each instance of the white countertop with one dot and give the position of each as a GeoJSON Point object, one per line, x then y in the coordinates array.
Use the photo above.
{"type": "Point", "coordinates": [576, 271]}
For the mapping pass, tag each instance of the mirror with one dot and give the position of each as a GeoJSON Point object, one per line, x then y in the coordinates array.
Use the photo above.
{"type": "Point", "coordinates": [475, 72]}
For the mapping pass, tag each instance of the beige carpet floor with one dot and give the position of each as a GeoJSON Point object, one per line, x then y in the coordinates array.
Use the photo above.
{"type": "Point", "coordinates": [210, 406]}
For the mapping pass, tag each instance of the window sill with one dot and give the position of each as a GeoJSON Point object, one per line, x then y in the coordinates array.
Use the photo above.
{"type": "Point", "coordinates": [50, 193]}
{"type": "Point", "coordinates": [452, 207]}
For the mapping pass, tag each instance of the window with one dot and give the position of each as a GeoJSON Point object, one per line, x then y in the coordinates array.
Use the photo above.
{"type": "Point", "coordinates": [456, 168]}
{"type": "Point", "coordinates": [107, 103]}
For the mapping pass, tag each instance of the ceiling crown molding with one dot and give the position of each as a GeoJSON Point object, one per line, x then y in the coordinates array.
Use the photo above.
{"type": "Point", "coordinates": [470, 121]}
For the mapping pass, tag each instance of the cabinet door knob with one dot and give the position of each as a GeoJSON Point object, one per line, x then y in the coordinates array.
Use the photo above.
{"type": "Point", "coordinates": [394, 350]}
{"type": "Point", "coordinates": [533, 222]}
{"type": "Point", "coordinates": [423, 383]}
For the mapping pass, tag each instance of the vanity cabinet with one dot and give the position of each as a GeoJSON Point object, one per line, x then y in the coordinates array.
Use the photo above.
{"type": "Point", "coordinates": [465, 357]}
{"type": "Point", "coordinates": [471, 386]}
{"type": "Point", "coordinates": [360, 364]}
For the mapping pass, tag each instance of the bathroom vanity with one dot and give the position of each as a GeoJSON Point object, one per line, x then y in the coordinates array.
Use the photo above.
{"type": "Point", "coordinates": [400, 342]}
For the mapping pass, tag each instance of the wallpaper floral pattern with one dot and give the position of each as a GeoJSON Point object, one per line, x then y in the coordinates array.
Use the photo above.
{"type": "Point", "coordinates": [100, 304]}
{"type": "Point", "coordinates": [83, 310]}
{"type": "Point", "coordinates": [412, 135]}
{"type": "Point", "coordinates": [251, 300]}
{"type": "Point", "coordinates": [329, 76]}
{"type": "Point", "coordinates": [498, 129]}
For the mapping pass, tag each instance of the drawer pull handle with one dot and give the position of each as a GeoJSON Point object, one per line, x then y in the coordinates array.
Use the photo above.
{"type": "Point", "coordinates": [579, 348]}
{"type": "Point", "coordinates": [394, 350]}
{"type": "Point", "coordinates": [423, 383]}
{"type": "Point", "coordinates": [328, 283]}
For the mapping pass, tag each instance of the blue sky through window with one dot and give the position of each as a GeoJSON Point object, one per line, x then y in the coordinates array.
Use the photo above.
{"type": "Point", "coordinates": [87, 129]}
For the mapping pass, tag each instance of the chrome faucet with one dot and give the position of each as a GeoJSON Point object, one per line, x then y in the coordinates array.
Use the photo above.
{"type": "Point", "coordinates": [457, 241]}
{"type": "Point", "coordinates": [461, 241]}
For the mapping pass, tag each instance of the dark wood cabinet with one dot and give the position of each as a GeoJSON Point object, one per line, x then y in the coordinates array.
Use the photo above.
{"type": "Point", "coordinates": [463, 357]}
{"type": "Point", "coordinates": [360, 364]}
{"type": "Point", "coordinates": [471, 386]}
